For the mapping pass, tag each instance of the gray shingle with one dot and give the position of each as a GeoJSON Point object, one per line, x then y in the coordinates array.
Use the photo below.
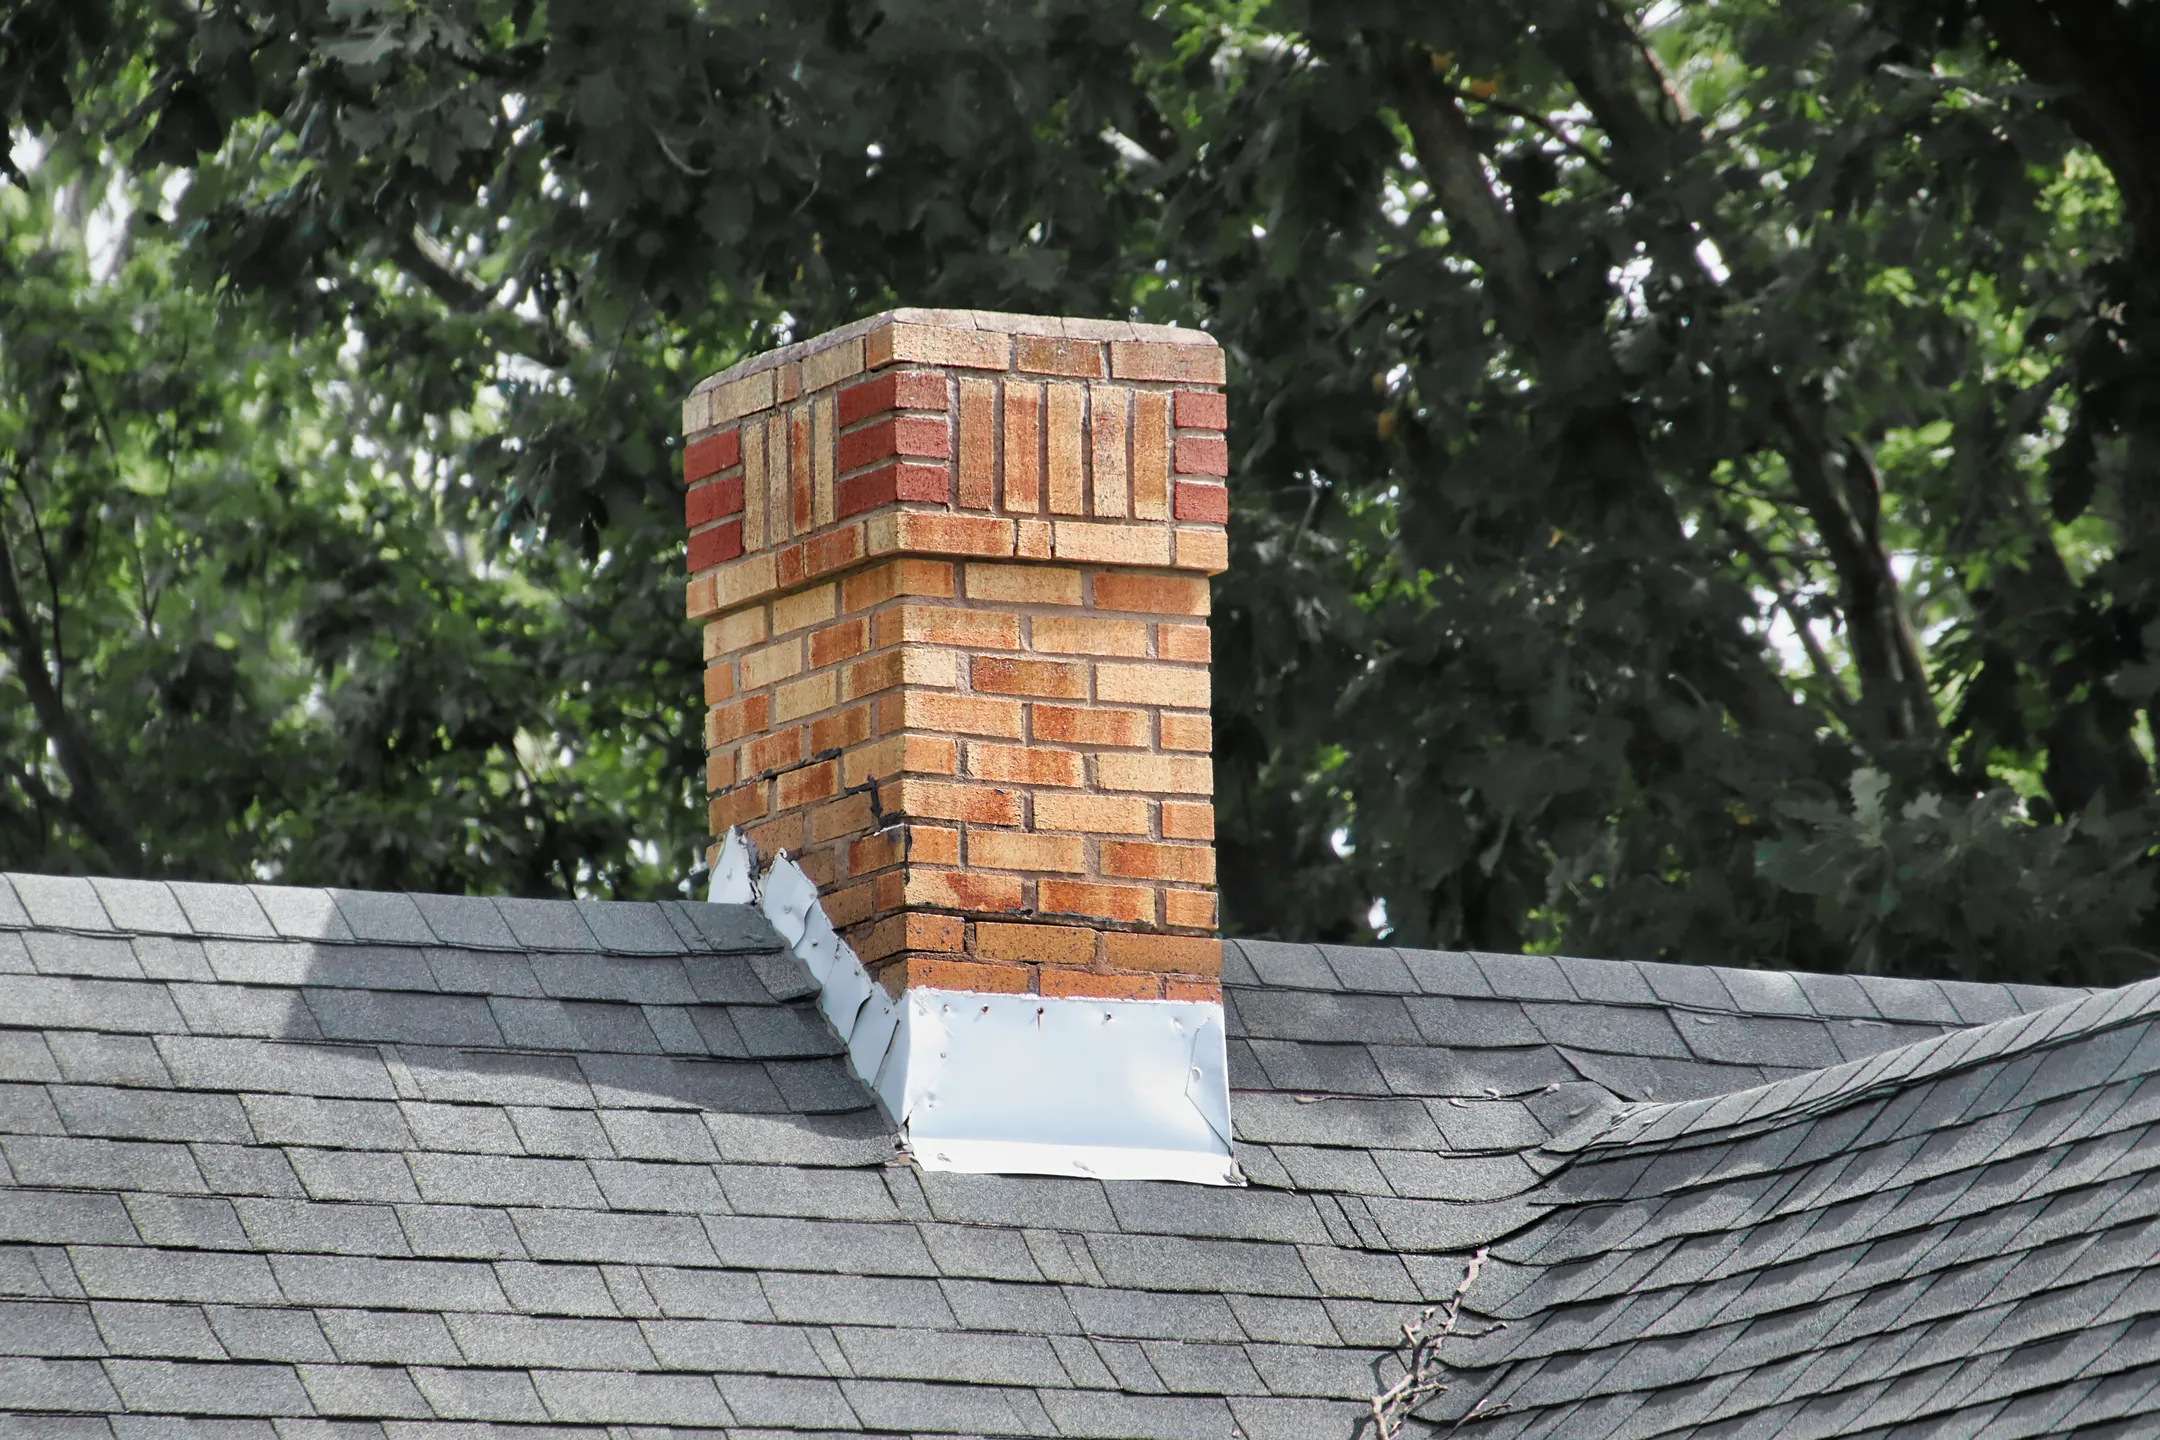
{"type": "Point", "coordinates": [773, 1400]}
{"type": "Point", "coordinates": [460, 1232]}
{"type": "Point", "coordinates": [1288, 966]}
{"type": "Point", "coordinates": [835, 1195]}
{"type": "Point", "coordinates": [503, 1180]}
{"type": "Point", "coordinates": [726, 928]}
{"type": "Point", "coordinates": [165, 957]}
{"type": "Point", "coordinates": [140, 1274]}
{"type": "Point", "coordinates": [591, 1235]}
{"type": "Point", "coordinates": [637, 1082]}
{"type": "Point", "coordinates": [630, 927]}
{"type": "Point", "coordinates": [102, 1164]}
{"type": "Point", "coordinates": [544, 1024]}
{"type": "Point", "coordinates": [55, 1384]}
{"type": "Point", "coordinates": [151, 1115]}
{"type": "Point", "coordinates": [1101, 1413]}
{"type": "Point", "coordinates": [543, 925]}
{"type": "Point", "coordinates": [1369, 968]}
{"type": "Point", "coordinates": [143, 906]}
{"type": "Point", "coordinates": [353, 1175]}
{"type": "Point", "coordinates": [206, 1222]}
{"type": "Point", "coordinates": [244, 1010]}
{"type": "Point", "coordinates": [383, 916]}
{"type": "Point", "coordinates": [389, 1337]}
{"type": "Point", "coordinates": [639, 1185]}
{"type": "Point", "coordinates": [57, 953]}
{"type": "Point", "coordinates": [169, 1331]}
{"type": "Point", "coordinates": [1283, 1320]}
{"type": "Point", "coordinates": [12, 914]}
{"type": "Point", "coordinates": [251, 1332]}
{"type": "Point", "coordinates": [316, 1121]}
{"type": "Point", "coordinates": [853, 1299]}
{"type": "Point", "coordinates": [1030, 1309]}
{"type": "Point", "coordinates": [47, 1328]}
{"type": "Point", "coordinates": [560, 1132]}
{"type": "Point", "coordinates": [403, 1018]}
{"type": "Point", "coordinates": [979, 1252]}
{"type": "Point", "coordinates": [524, 1342]}
{"type": "Point", "coordinates": [273, 1067]}
{"type": "Point", "coordinates": [694, 1294]}
{"type": "Point", "coordinates": [729, 1345]}
{"type": "Point", "coordinates": [614, 1397]}
{"type": "Point", "coordinates": [1160, 1208]}
{"type": "Point", "coordinates": [331, 1229]}
{"type": "Point", "coordinates": [379, 1283]}
{"type": "Point", "coordinates": [1153, 1315]}
{"type": "Point", "coordinates": [247, 1170]}
{"type": "Point", "coordinates": [368, 1390]}
{"type": "Point", "coordinates": [65, 902]}
{"type": "Point", "coordinates": [994, 1199]}
{"type": "Point", "coordinates": [68, 1002]}
{"type": "Point", "coordinates": [1154, 1262]}
{"type": "Point", "coordinates": [482, 972]}
{"type": "Point", "coordinates": [479, 1394]}
{"type": "Point", "coordinates": [221, 909]}
{"type": "Point", "coordinates": [470, 921]}
{"type": "Point", "coordinates": [884, 1404]}
{"type": "Point", "coordinates": [301, 914]}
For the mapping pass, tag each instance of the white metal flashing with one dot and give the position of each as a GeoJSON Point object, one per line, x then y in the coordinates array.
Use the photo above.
{"type": "Point", "coordinates": [1012, 1084]}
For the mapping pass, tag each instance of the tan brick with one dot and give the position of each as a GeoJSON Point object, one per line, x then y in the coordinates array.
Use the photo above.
{"type": "Point", "coordinates": [879, 583]}
{"type": "Point", "coordinates": [1065, 443]}
{"type": "Point", "coordinates": [924, 972]}
{"type": "Point", "coordinates": [1180, 685]}
{"type": "Point", "coordinates": [1183, 642]}
{"type": "Point", "coordinates": [1021, 464]}
{"type": "Point", "coordinates": [1052, 679]}
{"type": "Point", "coordinates": [943, 800]}
{"type": "Point", "coordinates": [787, 381]}
{"type": "Point", "coordinates": [738, 398]}
{"type": "Point", "coordinates": [1024, 764]}
{"type": "Point", "coordinates": [878, 850]}
{"type": "Point", "coordinates": [1017, 850]}
{"type": "Point", "coordinates": [1205, 992]}
{"type": "Point", "coordinates": [835, 643]}
{"type": "Point", "coordinates": [1022, 584]}
{"type": "Point", "coordinates": [796, 788]}
{"type": "Point", "coordinates": [701, 596]}
{"type": "Point", "coordinates": [923, 533]}
{"type": "Point", "coordinates": [1096, 725]}
{"type": "Point", "coordinates": [1152, 594]}
{"type": "Point", "coordinates": [948, 625]}
{"type": "Point", "coordinates": [1132, 904]}
{"type": "Point", "coordinates": [751, 578]}
{"type": "Point", "coordinates": [962, 714]}
{"type": "Point", "coordinates": [1186, 820]}
{"type": "Point", "coordinates": [1110, 543]}
{"type": "Point", "coordinates": [778, 750]}
{"type": "Point", "coordinates": [806, 697]}
{"type": "Point", "coordinates": [1064, 983]}
{"type": "Point", "coordinates": [737, 807]}
{"type": "Point", "coordinates": [1066, 635]}
{"type": "Point", "coordinates": [736, 631]}
{"type": "Point", "coordinates": [848, 815]}
{"type": "Point", "coordinates": [850, 904]}
{"type": "Point", "coordinates": [1110, 470]}
{"type": "Point", "coordinates": [1145, 860]}
{"type": "Point", "coordinates": [1201, 364]}
{"type": "Point", "coordinates": [978, 444]}
{"type": "Point", "coordinates": [719, 683]}
{"type": "Point", "coordinates": [1207, 550]}
{"type": "Point", "coordinates": [786, 831]}
{"type": "Point", "coordinates": [779, 523]}
{"type": "Point", "coordinates": [1193, 909]}
{"type": "Point", "coordinates": [1151, 456]}
{"type": "Point", "coordinates": [938, 345]}
{"type": "Point", "coordinates": [963, 890]}
{"type": "Point", "coordinates": [1031, 539]}
{"type": "Point", "coordinates": [720, 770]}
{"type": "Point", "coordinates": [1188, 732]}
{"type": "Point", "coordinates": [1186, 954]}
{"type": "Point", "coordinates": [1049, 355]}
{"type": "Point", "coordinates": [746, 716]}
{"type": "Point", "coordinates": [799, 501]}
{"type": "Point", "coordinates": [833, 364]}
{"type": "Point", "coordinates": [1037, 944]}
{"type": "Point", "coordinates": [909, 932]}
{"type": "Point", "coordinates": [761, 668]}
{"type": "Point", "coordinates": [913, 754]}
{"type": "Point", "coordinates": [697, 412]}
{"type": "Point", "coordinates": [805, 607]}
{"type": "Point", "coordinates": [839, 732]}
{"type": "Point", "coordinates": [933, 845]}
{"type": "Point", "coordinates": [754, 487]}
{"type": "Point", "coordinates": [1156, 774]}
{"type": "Point", "coordinates": [1091, 814]}
{"type": "Point", "coordinates": [823, 428]}
{"type": "Point", "coordinates": [902, 665]}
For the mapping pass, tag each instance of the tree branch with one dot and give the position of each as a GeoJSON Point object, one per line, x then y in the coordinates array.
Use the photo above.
{"type": "Point", "coordinates": [427, 262]}
{"type": "Point", "coordinates": [87, 801]}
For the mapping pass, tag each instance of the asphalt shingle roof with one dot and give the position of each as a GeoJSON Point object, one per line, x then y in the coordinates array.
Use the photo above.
{"type": "Point", "coordinates": [307, 1163]}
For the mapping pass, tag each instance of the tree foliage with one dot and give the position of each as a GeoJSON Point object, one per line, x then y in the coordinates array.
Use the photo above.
{"type": "Point", "coordinates": [1693, 465]}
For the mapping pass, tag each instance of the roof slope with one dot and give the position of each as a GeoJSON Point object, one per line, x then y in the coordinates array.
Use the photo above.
{"type": "Point", "coordinates": [446, 1167]}
{"type": "Point", "coordinates": [1956, 1238]}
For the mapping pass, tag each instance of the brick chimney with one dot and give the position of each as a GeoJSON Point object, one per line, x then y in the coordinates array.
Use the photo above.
{"type": "Point", "coordinates": [952, 571]}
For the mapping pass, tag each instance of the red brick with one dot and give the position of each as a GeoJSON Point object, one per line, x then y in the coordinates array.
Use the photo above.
{"type": "Point", "coordinates": [922, 972]}
{"type": "Point", "coordinates": [825, 553]}
{"type": "Point", "coordinates": [710, 456]}
{"type": "Point", "coordinates": [1210, 503]}
{"type": "Point", "coordinates": [736, 807]}
{"type": "Point", "coordinates": [707, 503]}
{"type": "Point", "coordinates": [1200, 455]}
{"type": "Point", "coordinates": [963, 890]}
{"type": "Point", "coordinates": [849, 815]}
{"type": "Point", "coordinates": [924, 436]}
{"type": "Point", "coordinates": [773, 752]}
{"type": "Point", "coordinates": [1036, 944]}
{"type": "Point", "coordinates": [719, 683]}
{"type": "Point", "coordinates": [716, 546]}
{"type": "Point", "coordinates": [890, 483]}
{"type": "Point", "coordinates": [1202, 410]}
{"type": "Point", "coordinates": [812, 782]}
{"type": "Point", "coordinates": [1206, 991]}
{"type": "Point", "coordinates": [839, 731]}
{"type": "Point", "coordinates": [901, 390]}
{"type": "Point", "coordinates": [747, 716]}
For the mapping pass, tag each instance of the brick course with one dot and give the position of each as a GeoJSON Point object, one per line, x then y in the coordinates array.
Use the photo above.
{"type": "Point", "coordinates": [951, 569]}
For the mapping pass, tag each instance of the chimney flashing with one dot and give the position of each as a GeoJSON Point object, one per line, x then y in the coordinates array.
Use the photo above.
{"type": "Point", "coordinates": [983, 1084]}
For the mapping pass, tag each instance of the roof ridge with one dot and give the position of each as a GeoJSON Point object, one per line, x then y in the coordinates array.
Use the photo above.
{"type": "Point", "coordinates": [1740, 1114]}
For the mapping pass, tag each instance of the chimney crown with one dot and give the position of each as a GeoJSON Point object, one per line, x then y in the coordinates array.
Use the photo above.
{"type": "Point", "coordinates": [952, 571]}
